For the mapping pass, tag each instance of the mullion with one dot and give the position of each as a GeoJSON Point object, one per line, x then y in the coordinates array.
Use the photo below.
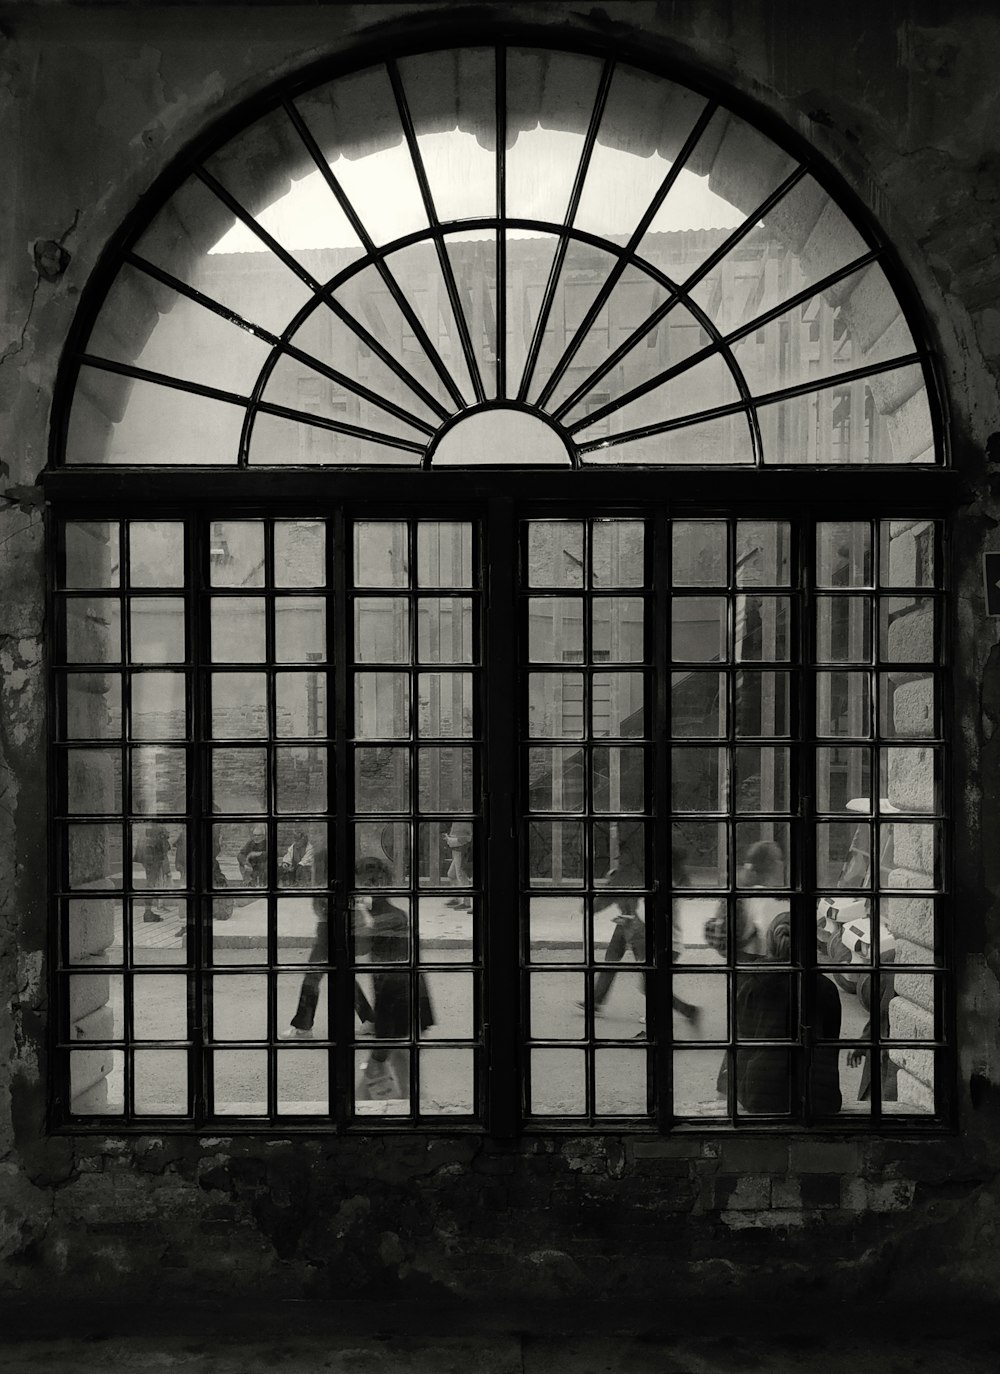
{"type": "Point", "coordinates": [805, 762]}
{"type": "Point", "coordinates": [585, 600]}
{"type": "Point", "coordinates": [340, 980]}
{"type": "Point", "coordinates": [580, 177]}
{"type": "Point", "coordinates": [500, 102]}
{"type": "Point", "coordinates": [734, 974]}
{"type": "Point", "coordinates": [270, 822]}
{"type": "Point", "coordinates": [197, 729]}
{"type": "Point", "coordinates": [444, 261]}
{"type": "Point", "coordinates": [374, 254]}
{"type": "Point", "coordinates": [128, 877]}
{"type": "Point", "coordinates": [628, 252]}
{"type": "Point", "coordinates": [657, 579]}
{"type": "Point", "coordinates": [875, 1042]}
{"type": "Point", "coordinates": [682, 295]}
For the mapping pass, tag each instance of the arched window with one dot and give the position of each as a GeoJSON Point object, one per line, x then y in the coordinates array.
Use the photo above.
{"type": "Point", "coordinates": [493, 638]}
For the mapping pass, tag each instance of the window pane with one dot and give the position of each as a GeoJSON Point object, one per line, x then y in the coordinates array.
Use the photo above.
{"type": "Point", "coordinates": [156, 553]}
{"type": "Point", "coordinates": [238, 629]}
{"type": "Point", "coordinates": [158, 706]}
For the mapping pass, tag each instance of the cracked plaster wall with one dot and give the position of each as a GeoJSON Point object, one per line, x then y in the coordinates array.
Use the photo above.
{"type": "Point", "coordinates": [95, 101]}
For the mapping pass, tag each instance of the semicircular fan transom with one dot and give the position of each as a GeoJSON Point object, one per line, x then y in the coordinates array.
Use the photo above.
{"type": "Point", "coordinates": [637, 265]}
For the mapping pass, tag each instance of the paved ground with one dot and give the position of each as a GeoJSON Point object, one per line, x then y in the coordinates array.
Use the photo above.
{"type": "Point", "coordinates": [367, 1338]}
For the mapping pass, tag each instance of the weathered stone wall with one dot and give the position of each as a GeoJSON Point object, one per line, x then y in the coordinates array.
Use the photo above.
{"type": "Point", "coordinates": [95, 101]}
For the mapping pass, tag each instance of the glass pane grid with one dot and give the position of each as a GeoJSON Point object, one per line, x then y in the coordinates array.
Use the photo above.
{"type": "Point", "coordinates": [417, 817]}
{"type": "Point", "coordinates": [195, 801]}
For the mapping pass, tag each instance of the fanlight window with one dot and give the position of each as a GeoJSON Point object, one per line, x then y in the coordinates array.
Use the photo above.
{"type": "Point", "coordinates": [623, 270]}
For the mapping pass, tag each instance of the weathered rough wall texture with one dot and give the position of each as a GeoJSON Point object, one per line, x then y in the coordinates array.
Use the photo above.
{"type": "Point", "coordinates": [901, 96]}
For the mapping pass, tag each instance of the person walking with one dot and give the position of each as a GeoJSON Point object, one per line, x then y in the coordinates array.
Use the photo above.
{"type": "Point", "coordinates": [459, 842]}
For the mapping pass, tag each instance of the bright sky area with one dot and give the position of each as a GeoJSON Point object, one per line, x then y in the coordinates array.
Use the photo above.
{"type": "Point", "coordinates": [541, 166]}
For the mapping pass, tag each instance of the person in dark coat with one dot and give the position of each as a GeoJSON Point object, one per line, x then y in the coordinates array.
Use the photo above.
{"type": "Point", "coordinates": [764, 1011]}
{"type": "Point", "coordinates": [305, 1012]}
{"type": "Point", "coordinates": [385, 938]}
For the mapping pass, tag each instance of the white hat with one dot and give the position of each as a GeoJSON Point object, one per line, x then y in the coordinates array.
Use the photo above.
{"type": "Point", "coordinates": [864, 804]}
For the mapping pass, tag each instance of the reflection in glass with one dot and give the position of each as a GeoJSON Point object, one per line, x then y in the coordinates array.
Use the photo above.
{"type": "Point", "coordinates": [617, 704]}
{"type": "Point", "coordinates": [444, 553]}
{"type": "Point", "coordinates": [618, 632]}
{"type": "Point", "coordinates": [699, 557]}
{"type": "Point", "coordinates": [618, 780]}
{"type": "Point", "coordinates": [763, 629]}
{"type": "Point", "coordinates": [621, 1082]}
{"type": "Point", "coordinates": [158, 706]}
{"type": "Point", "coordinates": [300, 779]}
{"type": "Point", "coordinates": [444, 630]}
{"type": "Point", "coordinates": [157, 629]}
{"type": "Point", "coordinates": [763, 553]}
{"type": "Point", "coordinates": [699, 779]}
{"type": "Point", "coordinates": [156, 553]}
{"type": "Point", "coordinates": [93, 630]}
{"type": "Point", "coordinates": [159, 424]}
{"type": "Point", "coordinates": [843, 629]}
{"type": "Point", "coordinates": [239, 705]}
{"type": "Point", "coordinates": [389, 844]}
{"type": "Point", "coordinates": [94, 930]}
{"type": "Point", "coordinates": [555, 629]}
{"type": "Point", "coordinates": [555, 929]}
{"type": "Point", "coordinates": [239, 1006]}
{"type": "Point", "coordinates": [700, 1006]}
{"type": "Point", "coordinates": [555, 553]}
{"type": "Point", "coordinates": [618, 553]}
{"type": "Point", "coordinates": [906, 629]}
{"type": "Point", "coordinates": [382, 706]}
{"type": "Point", "coordinates": [237, 553]}
{"type": "Point", "coordinates": [238, 629]}
{"type": "Point", "coordinates": [90, 553]}
{"type": "Point", "coordinates": [160, 1082]}
{"type": "Point", "coordinates": [447, 1081]}
{"type": "Point", "coordinates": [555, 853]}
{"type": "Point", "coordinates": [239, 1082]}
{"type": "Point", "coordinates": [159, 780]}
{"type": "Point", "coordinates": [556, 780]}
{"type": "Point", "coordinates": [557, 1085]}
{"type": "Point", "coordinates": [303, 1082]}
{"type": "Point", "coordinates": [239, 780]}
{"type": "Point", "coordinates": [699, 1088]}
{"type": "Point", "coordinates": [445, 779]}
{"type": "Point", "coordinates": [555, 705]}
{"type": "Point", "coordinates": [844, 553]}
{"type": "Point", "coordinates": [699, 628]}
{"type": "Point", "coordinates": [907, 555]}
{"type": "Point", "coordinates": [299, 553]}
{"type": "Point", "coordinates": [445, 705]}
{"type": "Point", "coordinates": [96, 1006]}
{"type": "Point", "coordinates": [381, 629]}
{"type": "Point", "coordinates": [843, 705]}
{"type": "Point", "coordinates": [698, 705]}
{"type": "Point", "coordinates": [300, 705]}
{"type": "Point", "coordinates": [93, 780]}
{"type": "Point", "coordinates": [97, 1082]}
{"type": "Point", "coordinates": [94, 855]}
{"type": "Point", "coordinates": [159, 1006]}
{"type": "Point", "coordinates": [381, 553]}
{"type": "Point", "coordinates": [299, 629]}
{"type": "Point", "coordinates": [381, 779]}
{"type": "Point", "coordinates": [704, 845]}
{"type": "Point", "coordinates": [93, 706]}
{"type": "Point", "coordinates": [763, 778]}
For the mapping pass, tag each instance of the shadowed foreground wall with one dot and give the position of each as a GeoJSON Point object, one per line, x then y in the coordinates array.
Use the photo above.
{"type": "Point", "coordinates": [96, 101]}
